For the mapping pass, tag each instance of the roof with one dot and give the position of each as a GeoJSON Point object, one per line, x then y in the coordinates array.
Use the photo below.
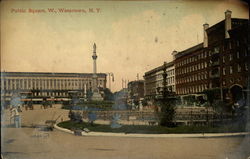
{"type": "Point", "coordinates": [159, 68]}
{"type": "Point", "coordinates": [50, 74]}
{"type": "Point", "coordinates": [235, 23]}
{"type": "Point", "coordinates": [222, 24]}
{"type": "Point", "coordinates": [134, 82]}
{"type": "Point", "coordinates": [189, 50]}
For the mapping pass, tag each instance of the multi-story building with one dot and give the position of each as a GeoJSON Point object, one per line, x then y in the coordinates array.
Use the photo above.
{"type": "Point", "coordinates": [43, 84]}
{"type": "Point", "coordinates": [135, 91]}
{"type": "Point", "coordinates": [219, 62]}
{"type": "Point", "coordinates": [154, 81]}
{"type": "Point", "coordinates": [191, 70]}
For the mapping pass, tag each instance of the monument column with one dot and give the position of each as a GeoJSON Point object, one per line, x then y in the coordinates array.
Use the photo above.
{"type": "Point", "coordinates": [94, 82]}
{"type": "Point", "coordinates": [96, 95]}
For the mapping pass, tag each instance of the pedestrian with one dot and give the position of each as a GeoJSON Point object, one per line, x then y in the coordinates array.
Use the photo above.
{"type": "Point", "coordinates": [16, 116]}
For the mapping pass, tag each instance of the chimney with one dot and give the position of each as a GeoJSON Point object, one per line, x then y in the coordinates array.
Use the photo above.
{"type": "Point", "coordinates": [228, 24]}
{"type": "Point", "coordinates": [174, 53]}
{"type": "Point", "coordinates": [205, 40]}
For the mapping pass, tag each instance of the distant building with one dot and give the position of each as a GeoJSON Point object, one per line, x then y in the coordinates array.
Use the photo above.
{"type": "Point", "coordinates": [220, 62]}
{"type": "Point", "coordinates": [42, 84]}
{"type": "Point", "coordinates": [154, 81]}
{"type": "Point", "coordinates": [135, 91]}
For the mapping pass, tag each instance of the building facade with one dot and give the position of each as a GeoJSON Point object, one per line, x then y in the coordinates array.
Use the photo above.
{"type": "Point", "coordinates": [220, 62]}
{"type": "Point", "coordinates": [154, 81]}
{"type": "Point", "coordinates": [135, 92]}
{"type": "Point", "coordinates": [57, 85]}
{"type": "Point", "coordinates": [191, 70]}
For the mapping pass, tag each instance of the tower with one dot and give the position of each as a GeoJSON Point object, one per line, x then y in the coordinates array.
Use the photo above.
{"type": "Point", "coordinates": [96, 94]}
{"type": "Point", "coordinates": [94, 81]}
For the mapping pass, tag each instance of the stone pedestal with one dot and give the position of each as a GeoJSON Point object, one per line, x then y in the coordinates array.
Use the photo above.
{"type": "Point", "coordinates": [96, 97]}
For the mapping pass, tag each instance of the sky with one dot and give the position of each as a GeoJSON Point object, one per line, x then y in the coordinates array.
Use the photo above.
{"type": "Point", "coordinates": [132, 37]}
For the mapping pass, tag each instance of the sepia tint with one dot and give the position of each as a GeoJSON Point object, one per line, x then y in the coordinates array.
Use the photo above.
{"type": "Point", "coordinates": [125, 79]}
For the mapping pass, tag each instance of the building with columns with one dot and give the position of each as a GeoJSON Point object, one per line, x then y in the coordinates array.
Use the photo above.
{"type": "Point", "coordinates": [44, 84]}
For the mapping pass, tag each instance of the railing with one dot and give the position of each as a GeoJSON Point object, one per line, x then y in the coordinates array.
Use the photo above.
{"type": "Point", "coordinates": [180, 115]}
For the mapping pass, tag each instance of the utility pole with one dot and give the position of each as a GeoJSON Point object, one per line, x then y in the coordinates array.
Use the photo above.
{"type": "Point", "coordinates": [122, 83]}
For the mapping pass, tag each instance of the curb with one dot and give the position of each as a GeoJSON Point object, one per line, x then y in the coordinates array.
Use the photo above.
{"type": "Point", "coordinates": [203, 135]}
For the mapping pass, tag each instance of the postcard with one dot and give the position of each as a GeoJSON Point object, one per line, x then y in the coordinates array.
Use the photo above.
{"type": "Point", "coordinates": [125, 79]}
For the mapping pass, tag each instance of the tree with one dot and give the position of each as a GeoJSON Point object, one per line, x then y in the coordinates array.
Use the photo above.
{"type": "Point", "coordinates": [211, 95]}
{"type": "Point", "coordinates": [167, 112]}
{"type": "Point", "coordinates": [108, 95]}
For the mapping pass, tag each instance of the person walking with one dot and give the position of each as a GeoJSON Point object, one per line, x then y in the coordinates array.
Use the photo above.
{"type": "Point", "coordinates": [15, 115]}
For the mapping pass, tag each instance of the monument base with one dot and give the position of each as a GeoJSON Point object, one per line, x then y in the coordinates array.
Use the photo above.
{"type": "Point", "coordinates": [96, 97]}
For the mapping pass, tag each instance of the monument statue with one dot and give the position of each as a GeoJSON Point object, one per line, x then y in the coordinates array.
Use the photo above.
{"type": "Point", "coordinates": [96, 94]}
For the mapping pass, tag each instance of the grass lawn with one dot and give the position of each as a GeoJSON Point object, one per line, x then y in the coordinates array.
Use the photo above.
{"type": "Point", "coordinates": [150, 129]}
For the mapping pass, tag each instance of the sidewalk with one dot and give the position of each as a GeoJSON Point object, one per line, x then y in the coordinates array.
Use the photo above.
{"type": "Point", "coordinates": [203, 135]}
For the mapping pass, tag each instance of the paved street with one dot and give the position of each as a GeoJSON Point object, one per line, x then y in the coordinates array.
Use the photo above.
{"type": "Point", "coordinates": [30, 143]}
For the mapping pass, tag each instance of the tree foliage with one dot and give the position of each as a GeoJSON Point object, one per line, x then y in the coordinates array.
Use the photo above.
{"type": "Point", "coordinates": [167, 112]}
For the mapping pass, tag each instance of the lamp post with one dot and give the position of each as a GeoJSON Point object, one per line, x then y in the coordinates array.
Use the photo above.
{"type": "Point", "coordinates": [164, 83]}
{"type": "Point", "coordinates": [110, 74]}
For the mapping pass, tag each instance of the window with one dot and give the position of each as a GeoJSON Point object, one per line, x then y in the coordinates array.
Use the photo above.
{"type": "Point", "coordinates": [246, 67]}
{"type": "Point", "coordinates": [224, 71]}
{"type": "Point", "coordinates": [238, 54]}
{"type": "Point", "coordinates": [230, 57]}
{"type": "Point", "coordinates": [245, 40]}
{"type": "Point", "coordinates": [223, 59]}
{"type": "Point", "coordinates": [224, 83]}
{"type": "Point", "coordinates": [230, 45]}
{"type": "Point", "coordinates": [216, 50]}
{"type": "Point", "coordinates": [231, 69]}
{"type": "Point", "coordinates": [29, 83]}
{"type": "Point", "coordinates": [237, 43]}
{"type": "Point", "coordinates": [239, 68]}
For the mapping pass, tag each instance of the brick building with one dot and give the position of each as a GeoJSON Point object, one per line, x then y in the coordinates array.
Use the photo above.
{"type": "Point", "coordinates": [221, 61]}
{"type": "Point", "coordinates": [191, 70]}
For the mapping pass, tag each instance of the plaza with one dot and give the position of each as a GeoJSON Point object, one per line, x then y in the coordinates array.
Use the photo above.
{"type": "Point", "coordinates": [29, 142]}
